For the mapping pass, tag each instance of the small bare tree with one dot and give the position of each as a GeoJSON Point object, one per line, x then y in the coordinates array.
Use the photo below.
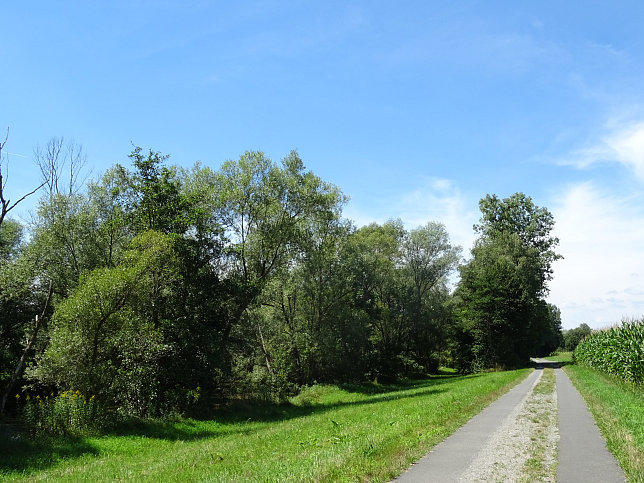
{"type": "Point", "coordinates": [59, 160]}
{"type": "Point", "coordinates": [5, 204]}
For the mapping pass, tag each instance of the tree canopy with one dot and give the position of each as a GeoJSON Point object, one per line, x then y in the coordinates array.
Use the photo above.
{"type": "Point", "coordinates": [162, 289]}
{"type": "Point", "coordinates": [503, 314]}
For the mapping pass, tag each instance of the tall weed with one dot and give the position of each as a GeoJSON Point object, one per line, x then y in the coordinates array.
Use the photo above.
{"type": "Point", "coordinates": [68, 412]}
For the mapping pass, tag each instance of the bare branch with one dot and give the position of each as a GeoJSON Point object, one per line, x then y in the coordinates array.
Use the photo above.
{"type": "Point", "coordinates": [6, 209]}
{"type": "Point", "coordinates": [5, 139]}
{"type": "Point", "coordinates": [5, 204]}
{"type": "Point", "coordinates": [60, 160]}
{"type": "Point", "coordinates": [77, 161]}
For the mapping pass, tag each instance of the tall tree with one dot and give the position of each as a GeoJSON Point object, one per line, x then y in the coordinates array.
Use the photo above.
{"type": "Point", "coordinates": [502, 287]}
{"type": "Point", "coordinates": [532, 224]}
{"type": "Point", "coordinates": [428, 258]}
{"type": "Point", "coordinates": [265, 210]}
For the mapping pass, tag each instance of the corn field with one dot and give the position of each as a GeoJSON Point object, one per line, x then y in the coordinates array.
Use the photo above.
{"type": "Point", "coordinates": [618, 350]}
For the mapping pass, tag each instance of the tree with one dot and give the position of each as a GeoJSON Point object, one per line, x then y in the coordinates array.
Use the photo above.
{"type": "Point", "coordinates": [428, 258]}
{"type": "Point", "coordinates": [103, 341]}
{"type": "Point", "coordinates": [158, 204]}
{"type": "Point", "coordinates": [305, 329]}
{"type": "Point", "coordinates": [532, 224]}
{"type": "Point", "coordinates": [502, 287]}
{"type": "Point", "coordinates": [20, 301]}
{"type": "Point", "coordinates": [265, 210]}
{"type": "Point", "coordinates": [573, 337]}
{"type": "Point", "coordinates": [18, 290]}
{"type": "Point", "coordinates": [61, 163]}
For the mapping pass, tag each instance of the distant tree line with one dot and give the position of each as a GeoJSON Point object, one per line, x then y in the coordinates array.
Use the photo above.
{"type": "Point", "coordinates": [572, 337]}
{"type": "Point", "coordinates": [155, 288]}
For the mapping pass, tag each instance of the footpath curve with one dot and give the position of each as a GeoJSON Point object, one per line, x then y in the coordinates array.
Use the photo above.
{"type": "Point", "coordinates": [582, 452]}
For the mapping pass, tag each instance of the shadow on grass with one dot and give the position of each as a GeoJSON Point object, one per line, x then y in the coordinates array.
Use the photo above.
{"type": "Point", "coordinates": [250, 411]}
{"type": "Point", "coordinates": [369, 388]}
{"type": "Point", "coordinates": [23, 455]}
{"type": "Point", "coordinates": [27, 456]}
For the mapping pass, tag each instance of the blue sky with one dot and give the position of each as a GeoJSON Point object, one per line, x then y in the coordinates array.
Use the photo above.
{"type": "Point", "coordinates": [415, 109]}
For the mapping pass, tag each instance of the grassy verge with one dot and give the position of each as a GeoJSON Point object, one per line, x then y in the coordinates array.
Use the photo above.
{"type": "Point", "coordinates": [618, 409]}
{"type": "Point", "coordinates": [362, 432]}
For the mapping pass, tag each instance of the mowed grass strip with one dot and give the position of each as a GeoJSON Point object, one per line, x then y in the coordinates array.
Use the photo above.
{"type": "Point", "coordinates": [618, 409]}
{"type": "Point", "coordinates": [327, 433]}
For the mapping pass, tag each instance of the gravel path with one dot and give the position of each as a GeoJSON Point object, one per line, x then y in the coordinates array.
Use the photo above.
{"type": "Point", "coordinates": [505, 455]}
{"type": "Point", "coordinates": [516, 439]}
{"type": "Point", "coordinates": [463, 450]}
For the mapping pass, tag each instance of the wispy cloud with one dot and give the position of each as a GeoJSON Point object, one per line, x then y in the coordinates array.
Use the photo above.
{"type": "Point", "coordinates": [623, 145]}
{"type": "Point", "coordinates": [435, 199]}
{"type": "Point", "coordinates": [602, 239]}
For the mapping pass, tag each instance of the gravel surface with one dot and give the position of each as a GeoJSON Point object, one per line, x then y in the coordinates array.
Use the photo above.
{"type": "Point", "coordinates": [524, 447]}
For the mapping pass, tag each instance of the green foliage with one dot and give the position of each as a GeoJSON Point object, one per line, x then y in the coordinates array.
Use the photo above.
{"type": "Point", "coordinates": [532, 224]}
{"type": "Point", "coordinates": [573, 337]}
{"type": "Point", "coordinates": [10, 239]}
{"type": "Point", "coordinates": [246, 282]}
{"type": "Point", "coordinates": [156, 192]}
{"type": "Point", "coordinates": [21, 296]}
{"type": "Point", "coordinates": [348, 433]}
{"type": "Point", "coordinates": [618, 351]}
{"type": "Point", "coordinates": [504, 318]}
{"type": "Point", "coordinates": [103, 341]}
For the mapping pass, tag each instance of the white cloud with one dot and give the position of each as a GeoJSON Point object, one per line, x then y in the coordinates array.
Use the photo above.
{"type": "Point", "coordinates": [623, 145]}
{"type": "Point", "coordinates": [440, 200]}
{"type": "Point", "coordinates": [435, 199]}
{"type": "Point", "coordinates": [601, 279]}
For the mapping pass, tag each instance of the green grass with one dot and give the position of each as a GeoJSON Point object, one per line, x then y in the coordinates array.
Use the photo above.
{"type": "Point", "coordinates": [327, 433]}
{"type": "Point", "coordinates": [565, 357]}
{"type": "Point", "coordinates": [618, 409]}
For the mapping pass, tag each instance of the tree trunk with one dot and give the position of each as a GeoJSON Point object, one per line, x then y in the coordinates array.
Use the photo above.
{"type": "Point", "coordinates": [21, 363]}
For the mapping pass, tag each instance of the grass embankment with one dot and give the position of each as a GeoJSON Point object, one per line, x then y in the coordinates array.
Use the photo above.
{"type": "Point", "coordinates": [362, 432]}
{"type": "Point", "coordinates": [618, 409]}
